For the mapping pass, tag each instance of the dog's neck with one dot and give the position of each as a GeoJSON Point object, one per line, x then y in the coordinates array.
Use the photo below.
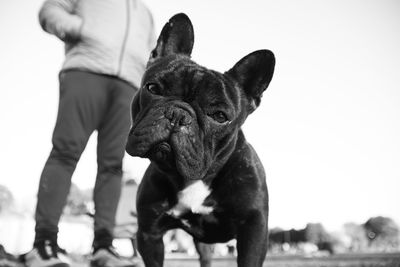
{"type": "Point", "coordinates": [191, 197]}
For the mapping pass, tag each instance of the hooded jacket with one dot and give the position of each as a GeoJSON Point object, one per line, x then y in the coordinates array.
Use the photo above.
{"type": "Point", "coordinates": [112, 37]}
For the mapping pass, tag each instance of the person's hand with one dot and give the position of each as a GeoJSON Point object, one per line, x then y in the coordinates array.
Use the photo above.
{"type": "Point", "coordinates": [71, 32]}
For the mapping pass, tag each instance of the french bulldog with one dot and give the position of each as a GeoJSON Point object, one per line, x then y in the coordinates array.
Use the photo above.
{"type": "Point", "coordinates": [203, 177]}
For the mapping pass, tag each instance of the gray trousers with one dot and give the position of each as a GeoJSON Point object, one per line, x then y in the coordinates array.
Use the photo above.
{"type": "Point", "coordinates": [88, 102]}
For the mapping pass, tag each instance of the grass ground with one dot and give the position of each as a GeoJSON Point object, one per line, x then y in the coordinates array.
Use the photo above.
{"type": "Point", "coordinates": [343, 260]}
{"type": "Point", "coordinates": [340, 260]}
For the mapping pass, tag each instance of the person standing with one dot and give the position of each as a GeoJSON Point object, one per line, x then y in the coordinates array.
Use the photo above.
{"type": "Point", "coordinates": [107, 44]}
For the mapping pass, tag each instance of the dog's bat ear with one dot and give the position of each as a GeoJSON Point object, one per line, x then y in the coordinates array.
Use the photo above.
{"type": "Point", "coordinates": [176, 37]}
{"type": "Point", "coordinates": [254, 73]}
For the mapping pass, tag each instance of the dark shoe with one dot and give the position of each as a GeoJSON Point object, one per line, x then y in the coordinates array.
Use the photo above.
{"type": "Point", "coordinates": [108, 257]}
{"type": "Point", "coordinates": [47, 255]}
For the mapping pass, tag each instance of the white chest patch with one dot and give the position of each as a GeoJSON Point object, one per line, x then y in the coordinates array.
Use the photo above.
{"type": "Point", "coordinates": [192, 198]}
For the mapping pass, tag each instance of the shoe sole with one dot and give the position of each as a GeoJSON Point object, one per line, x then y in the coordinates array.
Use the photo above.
{"type": "Point", "coordinates": [95, 264]}
{"type": "Point", "coordinates": [61, 264]}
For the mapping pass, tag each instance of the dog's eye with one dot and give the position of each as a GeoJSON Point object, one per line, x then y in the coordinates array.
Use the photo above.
{"type": "Point", "coordinates": [219, 117]}
{"type": "Point", "coordinates": [153, 88]}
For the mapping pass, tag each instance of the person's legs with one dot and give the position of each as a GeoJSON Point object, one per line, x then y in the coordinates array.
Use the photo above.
{"type": "Point", "coordinates": [112, 135]}
{"type": "Point", "coordinates": [82, 104]}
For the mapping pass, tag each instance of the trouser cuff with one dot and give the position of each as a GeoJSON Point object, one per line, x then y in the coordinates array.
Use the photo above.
{"type": "Point", "coordinates": [43, 235]}
{"type": "Point", "coordinates": [102, 239]}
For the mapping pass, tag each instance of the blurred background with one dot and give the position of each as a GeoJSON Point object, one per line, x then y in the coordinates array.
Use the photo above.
{"type": "Point", "coordinates": [327, 130]}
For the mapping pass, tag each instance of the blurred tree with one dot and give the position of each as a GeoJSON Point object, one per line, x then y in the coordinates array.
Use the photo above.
{"type": "Point", "coordinates": [6, 198]}
{"type": "Point", "coordinates": [316, 234]}
{"type": "Point", "coordinates": [357, 235]}
{"type": "Point", "coordinates": [279, 236]}
{"type": "Point", "coordinates": [382, 232]}
{"type": "Point", "coordinates": [313, 233]}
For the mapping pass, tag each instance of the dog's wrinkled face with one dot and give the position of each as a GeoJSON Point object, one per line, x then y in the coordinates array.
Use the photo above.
{"type": "Point", "coordinates": [185, 117]}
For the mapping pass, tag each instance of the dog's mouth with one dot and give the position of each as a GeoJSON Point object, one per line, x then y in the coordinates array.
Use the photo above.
{"type": "Point", "coordinates": [160, 152]}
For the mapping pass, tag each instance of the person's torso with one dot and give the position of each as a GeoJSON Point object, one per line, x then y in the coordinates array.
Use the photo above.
{"type": "Point", "coordinates": [115, 38]}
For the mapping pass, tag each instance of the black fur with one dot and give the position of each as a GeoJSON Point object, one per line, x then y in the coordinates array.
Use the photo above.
{"type": "Point", "coordinates": [187, 120]}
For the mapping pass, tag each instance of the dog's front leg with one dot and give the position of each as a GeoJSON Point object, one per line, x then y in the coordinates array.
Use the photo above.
{"type": "Point", "coordinates": [205, 253]}
{"type": "Point", "coordinates": [151, 248]}
{"type": "Point", "coordinates": [252, 241]}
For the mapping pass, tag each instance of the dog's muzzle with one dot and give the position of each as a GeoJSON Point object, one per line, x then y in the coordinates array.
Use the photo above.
{"type": "Point", "coordinates": [152, 137]}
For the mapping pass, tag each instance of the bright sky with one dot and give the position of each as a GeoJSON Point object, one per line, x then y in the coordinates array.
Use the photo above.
{"type": "Point", "coordinates": [327, 131]}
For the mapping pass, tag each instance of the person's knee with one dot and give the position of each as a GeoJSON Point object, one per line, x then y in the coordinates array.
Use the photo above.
{"type": "Point", "coordinates": [112, 170]}
{"type": "Point", "coordinates": [68, 148]}
{"type": "Point", "coordinates": [110, 166]}
{"type": "Point", "coordinates": [68, 154]}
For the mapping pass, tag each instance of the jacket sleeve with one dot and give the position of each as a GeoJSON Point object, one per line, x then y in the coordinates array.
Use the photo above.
{"type": "Point", "coordinates": [56, 17]}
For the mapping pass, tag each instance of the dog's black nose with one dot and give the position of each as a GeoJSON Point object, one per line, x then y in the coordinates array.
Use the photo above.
{"type": "Point", "coordinates": [178, 116]}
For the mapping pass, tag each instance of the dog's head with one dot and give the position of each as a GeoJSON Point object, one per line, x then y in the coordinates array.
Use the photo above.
{"type": "Point", "coordinates": [185, 117]}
